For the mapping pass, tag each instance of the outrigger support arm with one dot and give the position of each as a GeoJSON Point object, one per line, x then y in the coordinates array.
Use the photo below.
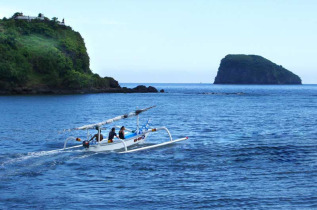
{"type": "Point", "coordinates": [159, 129]}
{"type": "Point", "coordinates": [69, 138]}
{"type": "Point", "coordinates": [124, 144]}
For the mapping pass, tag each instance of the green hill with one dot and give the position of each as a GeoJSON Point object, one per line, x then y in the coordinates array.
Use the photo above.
{"type": "Point", "coordinates": [253, 69]}
{"type": "Point", "coordinates": [43, 54]}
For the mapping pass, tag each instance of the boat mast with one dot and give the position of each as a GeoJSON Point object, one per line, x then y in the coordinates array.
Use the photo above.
{"type": "Point", "coordinates": [137, 124]}
{"type": "Point", "coordinates": [98, 134]}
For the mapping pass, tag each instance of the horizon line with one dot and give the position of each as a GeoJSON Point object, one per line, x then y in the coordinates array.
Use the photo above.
{"type": "Point", "coordinates": [206, 83]}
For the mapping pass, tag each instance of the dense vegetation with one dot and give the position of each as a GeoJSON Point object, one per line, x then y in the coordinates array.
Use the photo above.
{"type": "Point", "coordinates": [43, 53]}
{"type": "Point", "coordinates": [253, 69]}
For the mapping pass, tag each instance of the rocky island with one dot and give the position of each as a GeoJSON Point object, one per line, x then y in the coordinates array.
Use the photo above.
{"type": "Point", "coordinates": [39, 55]}
{"type": "Point", "coordinates": [253, 69]}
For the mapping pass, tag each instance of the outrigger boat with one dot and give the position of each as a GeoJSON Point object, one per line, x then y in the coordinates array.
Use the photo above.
{"type": "Point", "coordinates": [132, 137]}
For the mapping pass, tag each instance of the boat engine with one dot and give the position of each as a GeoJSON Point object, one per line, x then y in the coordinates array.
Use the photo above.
{"type": "Point", "coordinates": [86, 144]}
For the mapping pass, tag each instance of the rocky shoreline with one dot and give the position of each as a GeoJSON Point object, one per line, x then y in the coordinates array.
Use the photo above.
{"type": "Point", "coordinates": [50, 91]}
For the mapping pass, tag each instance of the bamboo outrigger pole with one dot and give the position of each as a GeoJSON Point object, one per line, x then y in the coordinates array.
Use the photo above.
{"type": "Point", "coordinates": [120, 117]}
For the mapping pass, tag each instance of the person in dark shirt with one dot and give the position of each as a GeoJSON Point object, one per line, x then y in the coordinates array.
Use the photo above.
{"type": "Point", "coordinates": [96, 136]}
{"type": "Point", "coordinates": [112, 134]}
{"type": "Point", "coordinates": [121, 133]}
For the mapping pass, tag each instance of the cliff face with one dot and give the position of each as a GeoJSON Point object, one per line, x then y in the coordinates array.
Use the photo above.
{"type": "Point", "coordinates": [253, 69]}
{"type": "Point", "coordinates": [44, 55]}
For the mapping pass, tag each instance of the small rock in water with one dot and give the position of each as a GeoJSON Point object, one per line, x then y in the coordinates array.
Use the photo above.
{"type": "Point", "coordinates": [144, 89]}
{"type": "Point", "coordinates": [152, 89]}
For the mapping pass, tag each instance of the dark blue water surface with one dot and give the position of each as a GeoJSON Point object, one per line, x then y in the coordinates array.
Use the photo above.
{"type": "Point", "coordinates": [248, 147]}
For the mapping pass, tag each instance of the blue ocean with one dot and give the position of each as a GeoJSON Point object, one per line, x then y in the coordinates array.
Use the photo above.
{"type": "Point", "coordinates": [249, 147]}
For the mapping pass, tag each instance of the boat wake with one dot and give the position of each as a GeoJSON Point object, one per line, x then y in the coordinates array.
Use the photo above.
{"type": "Point", "coordinates": [35, 163]}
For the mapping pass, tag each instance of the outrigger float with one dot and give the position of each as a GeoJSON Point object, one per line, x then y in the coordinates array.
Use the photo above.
{"type": "Point", "coordinates": [132, 137]}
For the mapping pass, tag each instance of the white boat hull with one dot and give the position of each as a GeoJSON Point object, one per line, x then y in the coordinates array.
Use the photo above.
{"type": "Point", "coordinates": [123, 144]}
{"type": "Point", "coordinates": [133, 137]}
{"type": "Point", "coordinates": [117, 144]}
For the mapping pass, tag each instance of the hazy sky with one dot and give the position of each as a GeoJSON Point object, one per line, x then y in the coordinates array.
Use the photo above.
{"type": "Point", "coordinates": [184, 40]}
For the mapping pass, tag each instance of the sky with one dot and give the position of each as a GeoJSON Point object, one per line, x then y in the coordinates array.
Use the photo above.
{"type": "Point", "coordinates": [183, 41]}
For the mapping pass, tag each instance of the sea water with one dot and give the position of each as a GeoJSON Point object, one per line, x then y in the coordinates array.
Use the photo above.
{"type": "Point", "coordinates": [248, 147]}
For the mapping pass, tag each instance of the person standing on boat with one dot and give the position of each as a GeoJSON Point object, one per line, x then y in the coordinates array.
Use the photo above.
{"type": "Point", "coordinates": [121, 133]}
{"type": "Point", "coordinates": [112, 134]}
{"type": "Point", "coordinates": [96, 136]}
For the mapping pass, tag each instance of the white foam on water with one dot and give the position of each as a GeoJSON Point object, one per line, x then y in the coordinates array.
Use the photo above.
{"type": "Point", "coordinates": [35, 155]}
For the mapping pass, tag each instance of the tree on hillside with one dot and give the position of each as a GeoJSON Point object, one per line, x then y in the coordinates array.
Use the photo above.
{"type": "Point", "coordinates": [16, 14]}
{"type": "Point", "coordinates": [54, 19]}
